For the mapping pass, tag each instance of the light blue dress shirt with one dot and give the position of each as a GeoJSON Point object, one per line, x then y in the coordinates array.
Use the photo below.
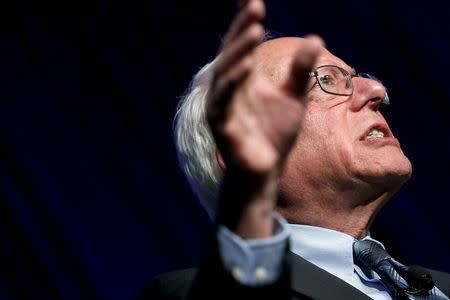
{"type": "Point", "coordinates": [258, 262]}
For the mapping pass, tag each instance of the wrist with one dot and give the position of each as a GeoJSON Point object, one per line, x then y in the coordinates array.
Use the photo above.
{"type": "Point", "coordinates": [247, 204]}
{"type": "Point", "coordinates": [256, 221]}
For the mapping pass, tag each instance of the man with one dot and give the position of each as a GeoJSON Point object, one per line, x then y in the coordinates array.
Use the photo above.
{"type": "Point", "coordinates": [295, 130]}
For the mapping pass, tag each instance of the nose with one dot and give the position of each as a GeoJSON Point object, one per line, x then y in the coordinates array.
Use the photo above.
{"type": "Point", "coordinates": [367, 93]}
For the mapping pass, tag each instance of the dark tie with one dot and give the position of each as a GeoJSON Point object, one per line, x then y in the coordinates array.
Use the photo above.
{"type": "Point", "coordinates": [370, 255]}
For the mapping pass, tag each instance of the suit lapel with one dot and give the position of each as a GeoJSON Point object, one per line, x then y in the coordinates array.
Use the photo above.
{"type": "Point", "coordinates": [309, 280]}
{"type": "Point", "coordinates": [442, 281]}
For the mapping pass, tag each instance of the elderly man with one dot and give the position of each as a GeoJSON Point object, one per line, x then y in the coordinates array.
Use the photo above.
{"type": "Point", "coordinates": [299, 137]}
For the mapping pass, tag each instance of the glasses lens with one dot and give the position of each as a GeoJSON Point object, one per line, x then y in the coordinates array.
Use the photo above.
{"type": "Point", "coordinates": [334, 80]}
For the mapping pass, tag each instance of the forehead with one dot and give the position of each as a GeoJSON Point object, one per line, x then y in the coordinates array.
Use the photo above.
{"type": "Point", "coordinates": [274, 57]}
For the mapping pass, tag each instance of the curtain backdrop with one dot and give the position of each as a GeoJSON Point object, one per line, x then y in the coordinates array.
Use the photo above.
{"type": "Point", "coordinates": [92, 203]}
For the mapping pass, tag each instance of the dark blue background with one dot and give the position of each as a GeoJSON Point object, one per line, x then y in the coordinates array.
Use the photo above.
{"type": "Point", "coordinates": [92, 204]}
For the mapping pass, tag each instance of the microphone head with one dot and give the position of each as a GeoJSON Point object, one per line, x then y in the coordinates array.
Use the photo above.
{"type": "Point", "coordinates": [419, 280]}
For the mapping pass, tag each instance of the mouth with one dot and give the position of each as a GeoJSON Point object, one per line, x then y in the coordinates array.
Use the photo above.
{"type": "Point", "coordinates": [376, 131]}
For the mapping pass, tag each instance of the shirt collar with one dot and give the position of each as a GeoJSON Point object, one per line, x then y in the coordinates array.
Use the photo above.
{"type": "Point", "coordinates": [328, 249]}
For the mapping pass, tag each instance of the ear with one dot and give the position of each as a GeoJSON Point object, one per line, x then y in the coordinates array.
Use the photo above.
{"type": "Point", "coordinates": [220, 161]}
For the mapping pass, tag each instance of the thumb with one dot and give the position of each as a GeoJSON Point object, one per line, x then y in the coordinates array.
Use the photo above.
{"type": "Point", "coordinates": [302, 64]}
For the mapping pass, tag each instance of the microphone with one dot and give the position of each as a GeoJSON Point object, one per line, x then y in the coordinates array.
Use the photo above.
{"type": "Point", "coordinates": [418, 278]}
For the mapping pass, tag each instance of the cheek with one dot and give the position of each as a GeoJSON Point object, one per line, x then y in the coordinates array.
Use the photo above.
{"type": "Point", "coordinates": [337, 141]}
{"type": "Point", "coordinates": [323, 144]}
{"type": "Point", "coordinates": [306, 155]}
{"type": "Point", "coordinates": [315, 133]}
{"type": "Point", "coordinates": [324, 148]}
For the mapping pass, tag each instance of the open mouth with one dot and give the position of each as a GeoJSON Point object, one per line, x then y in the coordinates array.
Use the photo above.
{"type": "Point", "coordinates": [376, 131]}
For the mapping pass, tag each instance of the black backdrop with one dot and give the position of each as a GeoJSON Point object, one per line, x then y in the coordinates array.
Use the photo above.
{"type": "Point", "coordinates": [92, 204]}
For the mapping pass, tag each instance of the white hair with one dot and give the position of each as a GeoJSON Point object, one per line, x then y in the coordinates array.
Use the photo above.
{"type": "Point", "coordinates": [195, 144]}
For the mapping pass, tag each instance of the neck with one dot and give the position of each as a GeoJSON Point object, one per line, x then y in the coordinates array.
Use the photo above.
{"type": "Point", "coordinates": [347, 211]}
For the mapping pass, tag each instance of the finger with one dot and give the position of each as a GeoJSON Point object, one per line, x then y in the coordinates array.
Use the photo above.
{"type": "Point", "coordinates": [254, 11]}
{"type": "Point", "coordinates": [302, 65]}
{"type": "Point", "coordinates": [224, 88]}
{"type": "Point", "coordinates": [241, 47]}
{"type": "Point", "coordinates": [231, 79]}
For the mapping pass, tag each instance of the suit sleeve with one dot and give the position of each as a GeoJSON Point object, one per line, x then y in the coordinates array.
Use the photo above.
{"type": "Point", "coordinates": [215, 278]}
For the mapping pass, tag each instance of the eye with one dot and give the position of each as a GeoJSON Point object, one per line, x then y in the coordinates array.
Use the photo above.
{"type": "Point", "coordinates": [328, 79]}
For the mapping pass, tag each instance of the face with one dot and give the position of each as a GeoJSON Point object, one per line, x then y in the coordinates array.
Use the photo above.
{"type": "Point", "coordinates": [344, 143]}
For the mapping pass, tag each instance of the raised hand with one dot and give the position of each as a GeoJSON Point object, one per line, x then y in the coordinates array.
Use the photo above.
{"type": "Point", "coordinates": [254, 120]}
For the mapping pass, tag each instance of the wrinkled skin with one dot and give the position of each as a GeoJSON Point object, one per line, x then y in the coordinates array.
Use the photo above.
{"type": "Point", "coordinates": [335, 176]}
{"type": "Point", "coordinates": [282, 140]}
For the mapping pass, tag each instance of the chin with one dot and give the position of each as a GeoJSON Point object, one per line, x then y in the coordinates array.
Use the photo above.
{"type": "Point", "coordinates": [398, 168]}
{"type": "Point", "coordinates": [389, 171]}
{"type": "Point", "coordinates": [395, 179]}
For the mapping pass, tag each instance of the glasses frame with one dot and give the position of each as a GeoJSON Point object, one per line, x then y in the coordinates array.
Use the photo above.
{"type": "Point", "coordinates": [349, 78]}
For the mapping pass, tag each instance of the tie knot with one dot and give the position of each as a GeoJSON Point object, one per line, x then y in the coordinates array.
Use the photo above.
{"type": "Point", "coordinates": [369, 253]}
{"type": "Point", "coordinates": [398, 279]}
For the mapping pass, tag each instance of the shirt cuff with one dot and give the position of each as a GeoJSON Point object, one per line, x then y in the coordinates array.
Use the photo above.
{"type": "Point", "coordinates": [254, 262]}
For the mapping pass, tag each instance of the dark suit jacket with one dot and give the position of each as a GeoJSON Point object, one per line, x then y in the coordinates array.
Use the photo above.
{"type": "Point", "coordinates": [300, 280]}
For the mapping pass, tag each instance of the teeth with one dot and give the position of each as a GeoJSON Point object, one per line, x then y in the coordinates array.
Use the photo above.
{"type": "Point", "coordinates": [374, 133]}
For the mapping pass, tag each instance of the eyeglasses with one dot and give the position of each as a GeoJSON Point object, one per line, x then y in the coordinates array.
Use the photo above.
{"type": "Point", "coordinates": [337, 81]}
